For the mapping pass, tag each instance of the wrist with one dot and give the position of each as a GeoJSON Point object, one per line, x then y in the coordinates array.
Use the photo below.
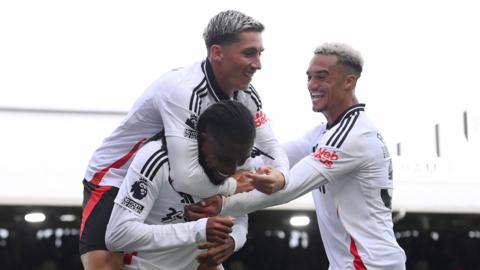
{"type": "Point", "coordinates": [230, 243]}
{"type": "Point", "coordinates": [230, 185]}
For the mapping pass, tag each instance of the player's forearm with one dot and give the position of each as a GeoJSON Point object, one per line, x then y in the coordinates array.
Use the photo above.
{"type": "Point", "coordinates": [303, 178]}
{"type": "Point", "coordinates": [247, 202]}
{"type": "Point", "coordinates": [187, 174]}
{"type": "Point", "coordinates": [126, 233]}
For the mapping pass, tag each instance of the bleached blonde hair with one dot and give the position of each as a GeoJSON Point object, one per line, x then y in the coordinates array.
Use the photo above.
{"type": "Point", "coordinates": [346, 55]}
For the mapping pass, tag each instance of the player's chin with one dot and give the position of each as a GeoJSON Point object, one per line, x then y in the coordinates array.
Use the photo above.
{"type": "Point", "coordinates": [217, 179]}
{"type": "Point", "coordinates": [245, 83]}
{"type": "Point", "coordinates": [218, 182]}
{"type": "Point", "coordinates": [318, 108]}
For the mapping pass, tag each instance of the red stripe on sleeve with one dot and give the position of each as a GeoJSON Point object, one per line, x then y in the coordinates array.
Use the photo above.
{"type": "Point", "coordinates": [117, 164]}
{"type": "Point", "coordinates": [90, 205]}
{"type": "Point", "coordinates": [357, 261]}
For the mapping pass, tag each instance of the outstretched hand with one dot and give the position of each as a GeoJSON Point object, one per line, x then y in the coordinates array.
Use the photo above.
{"type": "Point", "coordinates": [267, 179]}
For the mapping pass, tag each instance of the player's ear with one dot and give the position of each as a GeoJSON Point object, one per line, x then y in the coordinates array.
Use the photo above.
{"type": "Point", "coordinates": [350, 81]}
{"type": "Point", "coordinates": [216, 53]}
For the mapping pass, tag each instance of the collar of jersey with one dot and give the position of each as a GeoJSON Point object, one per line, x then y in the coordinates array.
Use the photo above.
{"type": "Point", "coordinates": [347, 113]}
{"type": "Point", "coordinates": [213, 86]}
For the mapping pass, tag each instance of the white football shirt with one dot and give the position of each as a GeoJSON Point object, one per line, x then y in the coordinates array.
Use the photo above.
{"type": "Point", "coordinates": [350, 173]}
{"type": "Point", "coordinates": [173, 104]}
{"type": "Point", "coordinates": [147, 218]}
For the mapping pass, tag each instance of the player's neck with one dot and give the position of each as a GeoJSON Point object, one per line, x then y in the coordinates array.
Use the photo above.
{"type": "Point", "coordinates": [221, 81]}
{"type": "Point", "coordinates": [332, 114]}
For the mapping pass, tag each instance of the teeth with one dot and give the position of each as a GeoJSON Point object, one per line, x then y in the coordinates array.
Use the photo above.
{"type": "Point", "coordinates": [249, 73]}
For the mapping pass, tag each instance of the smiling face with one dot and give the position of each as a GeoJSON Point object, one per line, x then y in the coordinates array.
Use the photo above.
{"type": "Point", "coordinates": [235, 63]}
{"type": "Point", "coordinates": [220, 158]}
{"type": "Point", "coordinates": [330, 86]}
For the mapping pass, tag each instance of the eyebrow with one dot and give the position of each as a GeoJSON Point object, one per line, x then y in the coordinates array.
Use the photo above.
{"type": "Point", "coordinates": [253, 48]}
{"type": "Point", "coordinates": [318, 72]}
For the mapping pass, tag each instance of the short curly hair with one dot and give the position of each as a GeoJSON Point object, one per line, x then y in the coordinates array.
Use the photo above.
{"type": "Point", "coordinates": [228, 120]}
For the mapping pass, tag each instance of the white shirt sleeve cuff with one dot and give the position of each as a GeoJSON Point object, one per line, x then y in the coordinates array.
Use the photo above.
{"type": "Point", "coordinates": [200, 230]}
{"type": "Point", "coordinates": [228, 187]}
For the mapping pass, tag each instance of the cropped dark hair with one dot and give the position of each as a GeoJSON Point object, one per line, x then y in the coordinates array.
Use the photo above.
{"type": "Point", "coordinates": [229, 120]}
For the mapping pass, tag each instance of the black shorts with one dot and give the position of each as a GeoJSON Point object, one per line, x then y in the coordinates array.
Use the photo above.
{"type": "Point", "coordinates": [97, 207]}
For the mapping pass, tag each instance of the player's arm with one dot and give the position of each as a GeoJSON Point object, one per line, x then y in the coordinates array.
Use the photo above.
{"type": "Point", "coordinates": [303, 177]}
{"type": "Point", "coordinates": [185, 170]}
{"type": "Point", "coordinates": [303, 146]}
{"type": "Point", "coordinates": [265, 141]}
{"type": "Point", "coordinates": [327, 164]}
{"type": "Point", "coordinates": [126, 232]}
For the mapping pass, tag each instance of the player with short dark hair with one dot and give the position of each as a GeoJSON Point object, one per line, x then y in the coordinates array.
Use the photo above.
{"type": "Point", "coordinates": [149, 224]}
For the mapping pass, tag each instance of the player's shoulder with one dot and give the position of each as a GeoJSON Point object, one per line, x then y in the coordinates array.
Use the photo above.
{"type": "Point", "coordinates": [316, 133]}
{"type": "Point", "coordinates": [351, 131]}
{"type": "Point", "coordinates": [151, 147]}
{"type": "Point", "coordinates": [364, 140]}
{"type": "Point", "coordinates": [180, 80]}
{"type": "Point", "coordinates": [150, 158]}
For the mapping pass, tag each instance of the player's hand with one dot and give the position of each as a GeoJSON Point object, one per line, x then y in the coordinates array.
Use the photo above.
{"type": "Point", "coordinates": [208, 207]}
{"type": "Point", "coordinates": [216, 253]}
{"type": "Point", "coordinates": [244, 183]}
{"type": "Point", "coordinates": [267, 179]}
{"type": "Point", "coordinates": [218, 229]}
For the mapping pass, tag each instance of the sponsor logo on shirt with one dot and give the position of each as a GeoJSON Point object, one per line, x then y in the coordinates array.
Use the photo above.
{"type": "Point", "coordinates": [192, 121]}
{"type": "Point", "coordinates": [173, 215]}
{"type": "Point", "coordinates": [132, 205]}
{"type": "Point", "coordinates": [260, 119]}
{"type": "Point", "coordinates": [191, 131]}
{"type": "Point", "coordinates": [139, 189]}
{"type": "Point", "coordinates": [186, 198]}
{"type": "Point", "coordinates": [325, 156]}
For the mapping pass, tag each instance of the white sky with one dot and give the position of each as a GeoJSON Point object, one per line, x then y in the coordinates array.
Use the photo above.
{"type": "Point", "coordinates": [421, 65]}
